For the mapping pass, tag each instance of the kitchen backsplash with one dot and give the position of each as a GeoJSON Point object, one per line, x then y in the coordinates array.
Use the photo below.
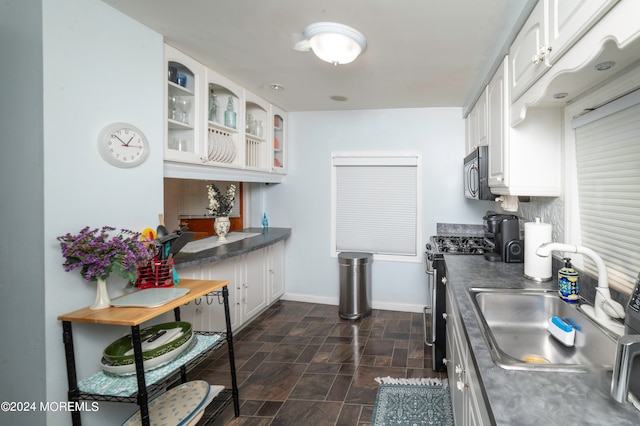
{"type": "Point", "coordinates": [549, 210]}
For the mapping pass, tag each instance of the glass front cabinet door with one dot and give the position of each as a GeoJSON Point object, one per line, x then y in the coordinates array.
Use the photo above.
{"type": "Point", "coordinates": [279, 141]}
{"type": "Point", "coordinates": [183, 108]}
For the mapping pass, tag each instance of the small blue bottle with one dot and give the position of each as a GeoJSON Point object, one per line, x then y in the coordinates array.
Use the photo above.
{"type": "Point", "coordinates": [265, 223]}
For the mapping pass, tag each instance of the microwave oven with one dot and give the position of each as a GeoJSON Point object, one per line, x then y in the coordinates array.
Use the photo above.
{"type": "Point", "coordinates": [476, 175]}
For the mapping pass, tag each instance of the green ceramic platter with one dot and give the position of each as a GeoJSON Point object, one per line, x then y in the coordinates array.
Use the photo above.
{"type": "Point", "coordinates": [115, 352]}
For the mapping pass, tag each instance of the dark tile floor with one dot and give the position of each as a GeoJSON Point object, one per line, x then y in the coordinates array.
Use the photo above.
{"type": "Point", "coordinates": [300, 364]}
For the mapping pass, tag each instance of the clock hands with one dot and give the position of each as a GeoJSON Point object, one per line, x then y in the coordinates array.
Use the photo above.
{"type": "Point", "coordinates": [125, 144]}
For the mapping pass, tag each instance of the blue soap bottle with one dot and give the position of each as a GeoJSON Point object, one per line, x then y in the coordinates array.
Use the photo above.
{"type": "Point", "coordinates": [568, 283]}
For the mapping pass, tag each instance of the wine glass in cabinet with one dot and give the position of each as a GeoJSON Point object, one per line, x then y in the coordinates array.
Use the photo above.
{"type": "Point", "coordinates": [183, 108]}
{"type": "Point", "coordinates": [224, 126]}
{"type": "Point", "coordinates": [255, 120]}
{"type": "Point", "coordinates": [279, 161]}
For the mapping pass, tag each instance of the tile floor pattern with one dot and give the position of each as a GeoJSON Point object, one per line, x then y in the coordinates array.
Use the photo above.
{"type": "Point", "coordinates": [300, 364]}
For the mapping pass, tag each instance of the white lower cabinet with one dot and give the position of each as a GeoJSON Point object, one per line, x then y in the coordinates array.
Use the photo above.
{"type": "Point", "coordinates": [466, 396]}
{"type": "Point", "coordinates": [275, 270]}
{"type": "Point", "coordinates": [255, 279]}
{"type": "Point", "coordinates": [252, 284]}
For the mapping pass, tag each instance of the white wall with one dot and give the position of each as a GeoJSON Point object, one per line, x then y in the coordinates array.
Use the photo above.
{"type": "Point", "coordinates": [303, 200]}
{"type": "Point", "coordinates": [100, 67]}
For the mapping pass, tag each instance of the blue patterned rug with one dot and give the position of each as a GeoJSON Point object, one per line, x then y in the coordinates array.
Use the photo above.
{"type": "Point", "coordinates": [412, 405]}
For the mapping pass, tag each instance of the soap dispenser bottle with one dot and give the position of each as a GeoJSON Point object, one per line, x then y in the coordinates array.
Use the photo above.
{"type": "Point", "coordinates": [265, 223]}
{"type": "Point", "coordinates": [568, 288]}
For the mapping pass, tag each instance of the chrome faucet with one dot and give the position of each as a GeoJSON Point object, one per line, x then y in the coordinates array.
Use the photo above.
{"type": "Point", "coordinates": [605, 308]}
{"type": "Point", "coordinates": [628, 349]}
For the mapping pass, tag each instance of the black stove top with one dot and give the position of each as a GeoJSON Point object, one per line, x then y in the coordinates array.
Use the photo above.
{"type": "Point", "coordinates": [459, 244]}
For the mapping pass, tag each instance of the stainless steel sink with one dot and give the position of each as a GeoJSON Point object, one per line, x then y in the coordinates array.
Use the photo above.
{"type": "Point", "coordinates": [514, 324]}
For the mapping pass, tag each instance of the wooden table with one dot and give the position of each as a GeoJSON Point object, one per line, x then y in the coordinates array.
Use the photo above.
{"type": "Point", "coordinates": [134, 317]}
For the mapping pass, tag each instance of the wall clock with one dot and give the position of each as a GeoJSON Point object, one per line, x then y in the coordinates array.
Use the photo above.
{"type": "Point", "coordinates": [123, 145]}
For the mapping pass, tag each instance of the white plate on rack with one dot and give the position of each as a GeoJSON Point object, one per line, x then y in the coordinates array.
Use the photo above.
{"type": "Point", "coordinates": [178, 406]}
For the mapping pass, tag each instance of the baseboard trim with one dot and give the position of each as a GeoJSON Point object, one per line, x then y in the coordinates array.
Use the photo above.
{"type": "Point", "coordinates": [323, 300]}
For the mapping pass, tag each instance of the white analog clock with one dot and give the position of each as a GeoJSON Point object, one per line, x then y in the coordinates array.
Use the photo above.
{"type": "Point", "coordinates": [123, 145]}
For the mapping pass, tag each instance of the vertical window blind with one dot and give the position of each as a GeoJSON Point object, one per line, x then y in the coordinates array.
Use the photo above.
{"type": "Point", "coordinates": [608, 171]}
{"type": "Point", "coordinates": [376, 203]}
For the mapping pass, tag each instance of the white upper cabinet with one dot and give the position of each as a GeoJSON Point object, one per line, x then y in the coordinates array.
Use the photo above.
{"type": "Point", "coordinates": [583, 36]}
{"type": "Point", "coordinates": [568, 20]}
{"type": "Point", "coordinates": [551, 29]}
{"type": "Point", "coordinates": [215, 129]}
{"type": "Point", "coordinates": [224, 108]}
{"type": "Point", "coordinates": [476, 124]}
{"type": "Point", "coordinates": [279, 138]}
{"type": "Point", "coordinates": [258, 113]}
{"type": "Point", "coordinates": [497, 103]}
{"type": "Point", "coordinates": [183, 108]}
{"type": "Point", "coordinates": [524, 159]}
{"type": "Point", "coordinates": [527, 53]}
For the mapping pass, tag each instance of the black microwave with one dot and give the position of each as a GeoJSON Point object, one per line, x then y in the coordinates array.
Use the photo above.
{"type": "Point", "coordinates": [476, 175]}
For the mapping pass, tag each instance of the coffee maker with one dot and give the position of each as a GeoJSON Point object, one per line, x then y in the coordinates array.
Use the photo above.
{"type": "Point", "coordinates": [502, 238]}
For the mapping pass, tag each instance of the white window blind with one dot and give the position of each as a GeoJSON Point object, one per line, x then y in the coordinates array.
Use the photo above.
{"type": "Point", "coordinates": [608, 170]}
{"type": "Point", "coordinates": [376, 203]}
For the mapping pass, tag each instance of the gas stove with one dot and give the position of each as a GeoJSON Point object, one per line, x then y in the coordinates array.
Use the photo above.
{"type": "Point", "coordinates": [459, 244]}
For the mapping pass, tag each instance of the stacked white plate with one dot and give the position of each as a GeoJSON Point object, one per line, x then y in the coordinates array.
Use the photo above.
{"type": "Point", "coordinates": [222, 148]}
{"type": "Point", "coordinates": [183, 405]}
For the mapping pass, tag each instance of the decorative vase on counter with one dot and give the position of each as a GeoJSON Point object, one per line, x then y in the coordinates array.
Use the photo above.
{"type": "Point", "coordinates": [102, 297]}
{"type": "Point", "coordinates": [221, 226]}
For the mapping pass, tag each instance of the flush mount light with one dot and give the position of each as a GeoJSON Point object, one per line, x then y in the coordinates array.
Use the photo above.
{"type": "Point", "coordinates": [276, 86]}
{"type": "Point", "coordinates": [338, 98]}
{"type": "Point", "coordinates": [604, 66]}
{"type": "Point", "coordinates": [560, 95]}
{"type": "Point", "coordinates": [332, 42]}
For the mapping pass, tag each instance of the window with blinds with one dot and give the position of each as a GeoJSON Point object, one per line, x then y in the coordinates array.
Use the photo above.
{"type": "Point", "coordinates": [608, 172]}
{"type": "Point", "coordinates": [376, 199]}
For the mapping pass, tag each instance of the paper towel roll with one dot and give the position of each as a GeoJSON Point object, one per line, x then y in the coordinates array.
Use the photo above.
{"type": "Point", "coordinates": [535, 267]}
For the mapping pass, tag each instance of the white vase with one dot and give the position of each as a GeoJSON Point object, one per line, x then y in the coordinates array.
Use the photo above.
{"type": "Point", "coordinates": [102, 297]}
{"type": "Point", "coordinates": [221, 226]}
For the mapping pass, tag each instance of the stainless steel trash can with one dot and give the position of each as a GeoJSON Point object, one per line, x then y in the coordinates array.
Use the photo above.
{"type": "Point", "coordinates": [355, 285]}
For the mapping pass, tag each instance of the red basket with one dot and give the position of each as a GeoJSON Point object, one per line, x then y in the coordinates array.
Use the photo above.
{"type": "Point", "coordinates": [156, 273]}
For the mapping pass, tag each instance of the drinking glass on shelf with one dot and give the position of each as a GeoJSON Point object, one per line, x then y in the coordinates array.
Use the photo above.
{"type": "Point", "coordinates": [184, 104]}
{"type": "Point", "coordinates": [173, 101]}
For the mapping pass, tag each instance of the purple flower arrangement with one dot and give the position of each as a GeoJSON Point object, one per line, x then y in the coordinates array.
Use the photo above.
{"type": "Point", "coordinates": [98, 253]}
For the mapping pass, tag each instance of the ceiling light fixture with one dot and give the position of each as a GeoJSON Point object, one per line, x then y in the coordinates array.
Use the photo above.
{"type": "Point", "coordinates": [276, 86]}
{"type": "Point", "coordinates": [604, 66]}
{"type": "Point", "coordinates": [332, 42]}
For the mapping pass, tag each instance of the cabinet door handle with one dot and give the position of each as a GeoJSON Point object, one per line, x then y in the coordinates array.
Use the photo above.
{"type": "Point", "coordinates": [541, 55]}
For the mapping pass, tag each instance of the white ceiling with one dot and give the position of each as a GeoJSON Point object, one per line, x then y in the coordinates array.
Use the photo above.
{"type": "Point", "coordinates": [420, 53]}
